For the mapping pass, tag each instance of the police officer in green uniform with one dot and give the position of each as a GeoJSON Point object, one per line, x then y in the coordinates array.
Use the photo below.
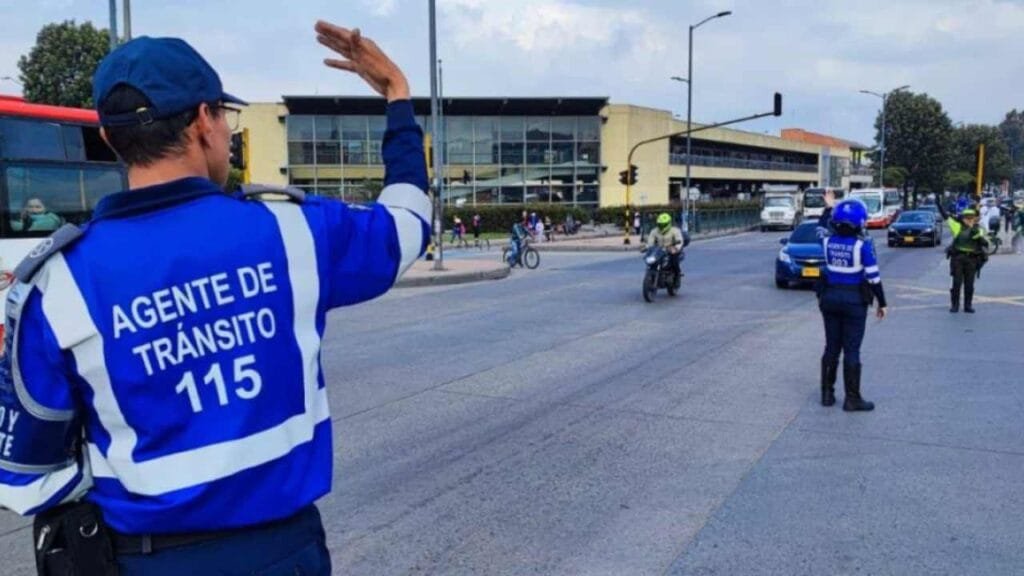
{"type": "Point", "coordinates": [966, 255]}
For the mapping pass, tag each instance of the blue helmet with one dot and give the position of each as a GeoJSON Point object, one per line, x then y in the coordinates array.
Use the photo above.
{"type": "Point", "coordinates": [852, 212]}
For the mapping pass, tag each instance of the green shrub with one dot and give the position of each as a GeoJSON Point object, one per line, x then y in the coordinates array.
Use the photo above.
{"type": "Point", "coordinates": [616, 214]}
{"type": "Point", "coordinates": [501, 218]}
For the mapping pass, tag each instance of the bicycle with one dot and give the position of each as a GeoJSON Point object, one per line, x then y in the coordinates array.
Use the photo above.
{"type": "Point", "coordinates": [528, 256]}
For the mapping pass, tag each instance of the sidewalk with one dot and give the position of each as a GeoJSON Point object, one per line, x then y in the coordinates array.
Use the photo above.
{"type": "Point", "coordinates": [457, 271]}
{"type": "Point", "coordinates": [614, 242]}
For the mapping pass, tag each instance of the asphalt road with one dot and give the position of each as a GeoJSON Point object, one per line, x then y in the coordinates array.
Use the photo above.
{"type": "Point", "coordinates": [554, 423]}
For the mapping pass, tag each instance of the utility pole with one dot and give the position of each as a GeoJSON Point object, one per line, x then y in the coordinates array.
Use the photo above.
{"type": "Point", "coordinates": [113, 25]}
{"type": "Point", "coordinates": [442, 137]}
{"type": "Point", "coordinates": [435, 130]}
{"type": "Point", "coordinates": [127, 20]}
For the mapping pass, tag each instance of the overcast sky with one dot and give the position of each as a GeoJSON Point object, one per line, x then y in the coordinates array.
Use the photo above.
{"type": "Point", "coordinates": [818, 53]}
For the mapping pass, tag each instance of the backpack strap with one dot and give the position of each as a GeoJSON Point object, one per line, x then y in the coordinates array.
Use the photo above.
{"type": "Point", "coordinates": [265, 193]}
{"type": "Point", "coordinates": [62, 238]}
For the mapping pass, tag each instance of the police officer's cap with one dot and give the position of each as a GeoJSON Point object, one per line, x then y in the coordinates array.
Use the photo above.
{"type": "Point", "coordinates": [169, 72]}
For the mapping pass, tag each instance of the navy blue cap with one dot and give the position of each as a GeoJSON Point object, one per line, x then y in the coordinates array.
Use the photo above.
{"type": "Point", "coordinates": [169, 72]}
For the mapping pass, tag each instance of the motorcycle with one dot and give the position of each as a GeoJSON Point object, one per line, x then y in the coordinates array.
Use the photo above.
{"type": "Point", "coordinates": [660, 273]}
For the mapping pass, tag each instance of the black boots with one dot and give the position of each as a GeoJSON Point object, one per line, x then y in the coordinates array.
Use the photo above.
{"type": "Point", "coordinates": [829, 370]}
{"type": "Point", "coordinates": [954, 299]}
{"type": "Point", "coordinates": [851, 381]}
{"type": "Point", "coordinates": [968, 299]}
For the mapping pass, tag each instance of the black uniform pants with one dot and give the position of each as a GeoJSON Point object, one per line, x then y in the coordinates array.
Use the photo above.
{"type": "Point", "coordinates": [845, 315]}
{"type": "Point", "coordinates": [963, 268]}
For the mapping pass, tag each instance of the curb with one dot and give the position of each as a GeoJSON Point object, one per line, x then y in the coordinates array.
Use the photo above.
{"type": "Point", "coordinates": [446, 279]}
{"type": "Point", "coordinates": [553, 247]}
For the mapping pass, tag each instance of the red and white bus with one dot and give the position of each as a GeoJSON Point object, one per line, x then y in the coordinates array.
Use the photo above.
{"type": "Point", "coordinates": [54, 168]}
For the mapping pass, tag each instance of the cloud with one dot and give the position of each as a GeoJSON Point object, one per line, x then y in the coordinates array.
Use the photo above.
{"type": "Point", "coordinates": [555, 36]}
{"type": "Point", "coordinates": [380, 8]}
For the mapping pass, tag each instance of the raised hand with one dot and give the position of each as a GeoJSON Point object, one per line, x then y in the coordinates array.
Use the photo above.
{"type": "Point", "coordinates": [362, 56]}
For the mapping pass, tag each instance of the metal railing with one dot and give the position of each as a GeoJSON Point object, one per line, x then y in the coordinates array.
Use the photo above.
{"type": "Point", "coordinates": [710, 220]}
{"type": "Point", "coordinates": [862, 171]}
{"type": "Point", "coordinates": [718, 162]}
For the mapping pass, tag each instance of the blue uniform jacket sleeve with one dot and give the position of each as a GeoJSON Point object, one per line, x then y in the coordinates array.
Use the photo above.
{"type": "Point", "coordinates": [39, 423]}
{"type": "Point", "coordinates": [825, 223]}
{"type": "Point", "coordinates": [370, 247]}
{"type": "Point", "coordinates": [870, 262]}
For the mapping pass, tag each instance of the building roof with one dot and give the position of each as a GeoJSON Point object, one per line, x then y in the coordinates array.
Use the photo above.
{"type": "Point", "coordinates": [359, 105]}
{"type": "Point", "coordinates": [800, 135]}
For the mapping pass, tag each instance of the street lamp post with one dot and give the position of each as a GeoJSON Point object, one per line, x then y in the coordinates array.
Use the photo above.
{"type": "Point", "coordinates": [684, 198]}
{"type": "Point", "coordinates": [435, 130]}
{"type": "Point", "coordinates": [11, 80]}
{"type": "Point", "coordinates": [689, 93]}
{"type": "Point", "coordinates": [881, 152]}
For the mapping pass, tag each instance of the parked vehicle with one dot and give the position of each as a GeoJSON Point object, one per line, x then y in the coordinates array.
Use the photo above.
{"type": "Point", "coordinates": [916, 227]}
{"type": "Point", "coordinates": [659, 274]}
{"type": "Point", "coordinates": [801, 258]}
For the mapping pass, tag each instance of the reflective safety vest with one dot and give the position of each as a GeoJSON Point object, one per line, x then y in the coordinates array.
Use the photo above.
{"type": "Point", "coordinates": [850, 260]}
{"type": "Point", "coordinates": [166, 364]}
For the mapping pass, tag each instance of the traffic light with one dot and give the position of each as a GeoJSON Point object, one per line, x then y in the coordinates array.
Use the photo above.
{"type": "Point", "coordinates": [777, 111]}
{"type": "Point", "coordinates": [238, 151]}
{"type": "Point", "coordinates": [628, 177]}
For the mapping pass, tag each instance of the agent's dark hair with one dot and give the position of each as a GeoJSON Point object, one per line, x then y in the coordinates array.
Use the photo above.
{"type": "Point", "coordinates": [144, 144]}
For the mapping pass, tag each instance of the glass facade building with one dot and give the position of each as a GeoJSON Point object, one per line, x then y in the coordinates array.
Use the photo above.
{"type": "Point", "coordinates": [499, 151]}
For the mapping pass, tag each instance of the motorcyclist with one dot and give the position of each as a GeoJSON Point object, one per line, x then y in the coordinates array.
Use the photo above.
{"type": "Point", "coordinates": [669, 237]}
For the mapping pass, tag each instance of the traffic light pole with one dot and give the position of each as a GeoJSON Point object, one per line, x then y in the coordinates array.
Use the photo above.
{"type": "Point", "coordinates": [777, 111]}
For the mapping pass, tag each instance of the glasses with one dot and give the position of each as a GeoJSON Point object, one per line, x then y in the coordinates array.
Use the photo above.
{"type": "Point", "coordinates": [231, 115]}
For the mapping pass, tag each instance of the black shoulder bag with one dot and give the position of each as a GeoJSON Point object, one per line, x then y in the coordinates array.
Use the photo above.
{"type": "Point", "coordinates": [73, 540]}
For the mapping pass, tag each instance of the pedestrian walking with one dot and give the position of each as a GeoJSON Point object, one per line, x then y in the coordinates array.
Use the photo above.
{"type": "Point", "coordinates": [162, 370]}
{"type": "Point", "coordinates": [636, 222]}
{"type": "Point", "coordinates": [850, 284]}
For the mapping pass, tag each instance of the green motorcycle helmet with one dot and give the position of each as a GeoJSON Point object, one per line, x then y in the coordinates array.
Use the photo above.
{"type": "Point", "coordinates": [664, 222]}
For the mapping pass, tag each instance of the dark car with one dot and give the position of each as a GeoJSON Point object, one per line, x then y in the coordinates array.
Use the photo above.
{"type": "Point", "coordinates": [916, 228]}
{"type": "Point", "coordinates": [801, 258]}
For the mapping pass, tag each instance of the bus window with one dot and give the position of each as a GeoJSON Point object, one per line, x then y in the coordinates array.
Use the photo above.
{"type": "Point", "coordinates": [74, 147]}
{"type": "Point", "coordinates": [31, 140]}
{"type": "Point", "coordinates": [42, 198]}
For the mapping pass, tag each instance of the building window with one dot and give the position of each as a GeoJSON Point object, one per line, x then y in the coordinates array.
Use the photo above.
{"type": "Point", "coordinates": [300, 153]}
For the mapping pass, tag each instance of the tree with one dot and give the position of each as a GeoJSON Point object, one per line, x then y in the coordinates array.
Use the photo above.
{"type": "Point", "coordinates": [960, 181]}
{"type": "Point", "coordinates": [1012, 129]}
{"type": "Point", "coordinates": [919, 138]}
{"type": "Point", "coordinates": [60, 67]}
{"type": "Point", "coordinates": [895, 176]}
{"type": "Point", "coordinates": [966, 140]}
